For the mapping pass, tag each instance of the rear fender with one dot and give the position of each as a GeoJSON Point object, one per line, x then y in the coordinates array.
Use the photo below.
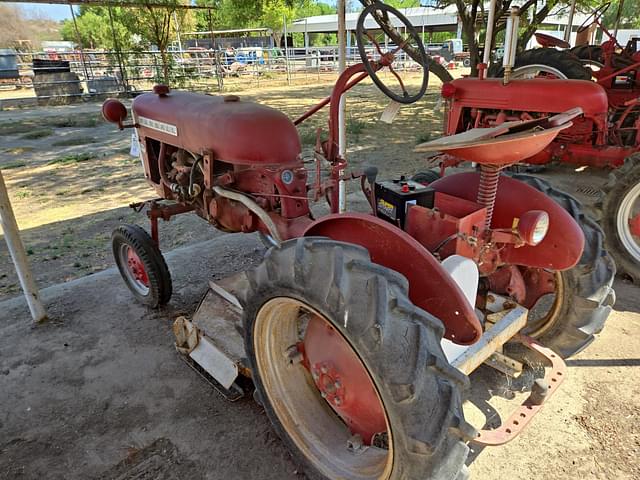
{"type": "Point", "coordinates": [562, 247]}
{"type": "Point", "coordinates": [430, 286]}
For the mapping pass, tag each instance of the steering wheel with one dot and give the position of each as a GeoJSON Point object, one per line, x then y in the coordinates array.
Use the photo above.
{"type": "Point", "coordinates": [595, 17]}
{"type": "Point", "coordinates": [410, 43]}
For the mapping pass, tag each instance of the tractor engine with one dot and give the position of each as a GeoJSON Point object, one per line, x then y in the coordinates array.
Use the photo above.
{"type": "Point", "coordinates": [228, 159]}
{"type": "Point", "coordinates": [601, 136]}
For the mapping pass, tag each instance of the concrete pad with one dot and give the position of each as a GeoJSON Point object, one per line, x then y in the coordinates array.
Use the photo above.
{"type": "Point", "coordinates": [99, 392]}
{"type": "Point", "coordinates": [102, 382]}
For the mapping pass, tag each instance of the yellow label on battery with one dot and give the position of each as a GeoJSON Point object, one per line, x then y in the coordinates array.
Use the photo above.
{"type": "Point", "coordinates": [386, 208]}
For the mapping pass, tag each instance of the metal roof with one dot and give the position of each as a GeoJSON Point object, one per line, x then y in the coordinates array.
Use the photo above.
{"type": "Point", "coordinates": [431, 18]}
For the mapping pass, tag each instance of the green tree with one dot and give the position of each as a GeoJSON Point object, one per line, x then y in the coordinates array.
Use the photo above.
{"type": "Point", "coordinates": [228, 14]}
{"type": "Point", "coordinates": [629, 16]}
{"type": "Point", "coordinates": [94, 28]}
{"type": "Point", "coordinates": [473, 18]}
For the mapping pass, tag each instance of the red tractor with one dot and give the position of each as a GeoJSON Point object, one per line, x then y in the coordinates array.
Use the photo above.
{"type": "Point", "coordinates": [605, 135]}
{"type": "Point", "coordinates": [359, 330]}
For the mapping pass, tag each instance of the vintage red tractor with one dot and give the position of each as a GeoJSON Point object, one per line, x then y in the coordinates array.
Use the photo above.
{"type": "Point", "coordinates": [359, 330]}
{"type": "Point", "coordinates": [605, 135]}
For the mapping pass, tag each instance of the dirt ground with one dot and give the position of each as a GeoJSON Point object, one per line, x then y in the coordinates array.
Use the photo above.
{"type": "Point", "coordinates": [70, 176]}
{"type": "Point", "coordinates": [99, 392]}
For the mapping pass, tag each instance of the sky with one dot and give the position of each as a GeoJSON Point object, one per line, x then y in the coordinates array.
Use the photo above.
{"type": "Point", "coordinates": [55, 12]}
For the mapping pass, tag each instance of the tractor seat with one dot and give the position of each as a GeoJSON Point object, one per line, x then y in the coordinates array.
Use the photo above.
{"type": "Point", "coordinates": [547, 41]}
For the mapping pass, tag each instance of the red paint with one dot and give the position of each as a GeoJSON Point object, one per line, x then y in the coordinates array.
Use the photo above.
{"type": "Point", "coordinates": [561, 248]}
{"type": "Point", "coordinates": [114, 111]}
{"type": "Point", "coordinates": [430, 286]}
{"type": "Point", "coordinates": [534, 95]}
{"type": "Point", "coordinates": [136, 267]}
{"type": "Point", "coordinates": [634, 225]}
{"type": "Point", "coordinates": [508, 281]}
{"type": "Point", "coordinates": [550, 41]}
{"type": "Point", "coordinates": [538, 282]}
{"type": "Point", "coordinates": [340, 375]}
{"type": "Point", "coordinates": [449, 227]}
{"type": "Point", "coordinates": [237, 132]}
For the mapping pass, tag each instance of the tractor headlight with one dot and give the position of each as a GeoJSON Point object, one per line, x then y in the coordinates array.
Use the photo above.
{"type": "Point", "coordinates": [533, 226]}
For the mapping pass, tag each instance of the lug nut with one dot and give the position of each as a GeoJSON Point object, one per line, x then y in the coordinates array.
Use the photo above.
{"type": "Point", "coordinates": [337, 401]}
{"type": "Point", "coordinates": [294, 355]}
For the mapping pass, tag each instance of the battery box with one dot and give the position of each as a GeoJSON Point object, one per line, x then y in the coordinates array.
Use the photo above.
{"type": "Point", "coordinates": [393, 197]}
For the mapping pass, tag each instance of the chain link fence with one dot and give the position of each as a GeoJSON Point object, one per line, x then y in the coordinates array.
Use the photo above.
{"type": "Point", "coordinates": [52, 78]}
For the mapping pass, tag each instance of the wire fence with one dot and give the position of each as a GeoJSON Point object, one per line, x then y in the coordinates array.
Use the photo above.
{"type": "Point", "coordinates": [65, 77]}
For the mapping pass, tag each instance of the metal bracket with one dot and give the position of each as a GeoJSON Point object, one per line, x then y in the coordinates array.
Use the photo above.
{"type": "Point", "coordinates": [521, 417]}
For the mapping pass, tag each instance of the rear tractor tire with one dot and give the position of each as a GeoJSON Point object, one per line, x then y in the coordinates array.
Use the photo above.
{"type": "Point", "coordinates": [621, 217]}
{"type": "Point", "coordinates": [583, 297]}
{"type": "Point", "coordinates": [141, 265]}
{"type": "Point", "coordinates": [560, 61]}
{"type": "Point", "coordinates": [426, 177]}
{"type": "Point", "coordinates": [319, 285]}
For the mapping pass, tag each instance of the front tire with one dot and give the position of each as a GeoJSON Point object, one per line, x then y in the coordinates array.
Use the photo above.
{"type": "Point", "coordinates": [583, 297]}
{"type": "Point", "coordinates": [141, 265]}
{"type": "Point", "coordinates": [397, 345]}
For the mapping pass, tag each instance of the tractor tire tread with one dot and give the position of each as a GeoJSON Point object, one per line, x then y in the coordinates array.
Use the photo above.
{"type": "Point", "coordinates": [588, 291]}
{"type": "Point", "coordinates": [620, 181]}
{"type": "Point", "coordinates": [398, 342]}
{"type": "Point", "coordinates": [160, 285]}
{"type": "Point", "coordinates": [561, 60]}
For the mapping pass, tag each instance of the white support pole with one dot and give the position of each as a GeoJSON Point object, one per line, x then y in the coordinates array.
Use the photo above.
{"type": "Point", "coordinates": [286, 49]}
{"type": "Point", "coordinates": [175, 19]}
{"type": "Point", "coordinates": [19, 256]}
{"type": "Point", "coordinates": [342, 131]}
{"type": "Point", "coordinates": [486, 58]}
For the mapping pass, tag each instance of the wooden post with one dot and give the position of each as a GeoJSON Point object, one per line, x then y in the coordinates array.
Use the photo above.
{"type": "Point", "coordinates": [19, 256]}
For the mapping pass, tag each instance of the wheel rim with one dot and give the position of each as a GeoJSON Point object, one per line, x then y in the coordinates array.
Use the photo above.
{"type": "Point", "coordinates": [537, 70]}
{"type": "Point", "coordinates": [544, 314]}
{"type": "Point", "coordinates": [628, 222]}
{"type": "Point", "coordinates": [134, 269]}
{"type": "Point", "coordinates": [309, 419]}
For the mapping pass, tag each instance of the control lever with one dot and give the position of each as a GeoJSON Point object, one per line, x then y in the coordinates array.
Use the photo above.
{"type": "Point", "coordinates": [371, 173]}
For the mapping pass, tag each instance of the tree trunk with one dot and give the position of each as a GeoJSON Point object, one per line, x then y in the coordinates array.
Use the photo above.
{"type": "Point", "coordinates": [165, 64]}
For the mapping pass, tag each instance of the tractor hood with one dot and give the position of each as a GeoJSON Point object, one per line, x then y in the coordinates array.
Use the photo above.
{"type": "Point", "coordinates": [235, 131]}
{"type": "Point", "coordinates": [531, 95]}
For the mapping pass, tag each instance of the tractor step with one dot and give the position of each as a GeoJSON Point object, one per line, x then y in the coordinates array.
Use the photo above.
{"type": "Point", "coordinates": [541, 390]}
{"type": "Point", "coordinates": [212, 341]}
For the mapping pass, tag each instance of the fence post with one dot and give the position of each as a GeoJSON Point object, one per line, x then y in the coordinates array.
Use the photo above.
{"type": "Point", "coordinates": [216, 56]}
{"type": "Point", "coordinates": [79, 40]}
{"type": "Point", "coordinates": [19, 256]}
{"type": "Point", "coordinates": [286, 49]}
{"type": "Point", "coordinates": [116, 44]}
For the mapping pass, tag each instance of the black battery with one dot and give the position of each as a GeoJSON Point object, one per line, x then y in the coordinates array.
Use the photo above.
{"type": "Point", "coordinates": [393, 197]}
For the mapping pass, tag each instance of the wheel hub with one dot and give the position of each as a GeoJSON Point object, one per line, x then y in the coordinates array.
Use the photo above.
{"type": "Point", "coordinates": [136, 267]}
{"type": "Point", "coordinates": [342, 380]}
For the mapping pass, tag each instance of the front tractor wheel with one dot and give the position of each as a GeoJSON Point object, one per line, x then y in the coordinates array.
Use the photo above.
{"type": "Point", "coordinates": [568, 319]}
{"type": "Point", "coordinates": [349, 372]}
{"type": "Point", "coordinates": [141, 265]}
